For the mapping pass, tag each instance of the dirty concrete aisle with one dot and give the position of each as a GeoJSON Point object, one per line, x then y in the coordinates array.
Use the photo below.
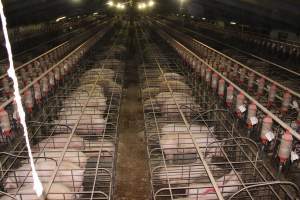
{"type": "Point", "coordinates": [132, 175]}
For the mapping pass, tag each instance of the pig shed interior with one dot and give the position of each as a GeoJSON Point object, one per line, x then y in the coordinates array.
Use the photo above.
{"type": "Point", "coordinates": [151, 100]}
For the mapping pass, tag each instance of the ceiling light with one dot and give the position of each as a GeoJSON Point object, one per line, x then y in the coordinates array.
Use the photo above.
{"type": "Point", "coordinates": [60, 18]}
{"type": "Point", "coordinates": [151, 3]}
{"type": "Point", "coordinates": [120, 6]}
{"type": "Point", "coordinates": [110, 3]}
{"type": "Point", "coordinates": [142, 6]}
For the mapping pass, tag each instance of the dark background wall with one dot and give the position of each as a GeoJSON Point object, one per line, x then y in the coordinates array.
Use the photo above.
{"type": "Point", "coordinates": [283, 14]}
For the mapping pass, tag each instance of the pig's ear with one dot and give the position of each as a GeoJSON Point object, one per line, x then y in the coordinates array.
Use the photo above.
{"type": "Point", "coordinates": [211, 129]}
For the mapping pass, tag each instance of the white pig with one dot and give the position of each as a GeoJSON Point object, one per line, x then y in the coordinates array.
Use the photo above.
{"type": "Point", "coordinates": [170, 109]}
{"type": "Point", "coordinates": [171, 77]}
{"type": "Point", "coordinates": [151, 105]}
{"type": "Point", "coordinates": [57, 191]}
{"type": "Point", "coordinates": [109, 62]}
{"type": "Point", "coordinates": [59, 141]}
{"type": "Point", "coordinates": [182, 174]}
{"type": "Point", "coordinates": [92, 148]}
{"type": "Point", "coordinates": [88, 90]}
{"type": "Point", "coordinates": [89, 147]}
{"type": "Point", "coordinates": [176, 86]}
{"type": "Point", "coordinates": [77, 103]}
{"type": "Point", "coordinates": [150, 92]}
{"type": "Point", "coordinates": [110, 86]}
{"type": "Point", "coordinates": [68, 112]}
{"type": "Point", "coordinates": [93, 74]}
{"type": "Point", "coordinates": [72, 155]}
{"type": "Point", "coordinates": [69, 174]}
{"type": "Point", "coordinates": [176, 140]}
{"type": "Point", "coordinates": [165, 96]}
{"type": "Point", "coordinates": [228, 185]}
{"type": "Point", "coordinates": [89, 123]}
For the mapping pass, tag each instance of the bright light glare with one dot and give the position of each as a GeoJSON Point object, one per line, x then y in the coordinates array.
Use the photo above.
{"type": "Point", "coordinates": [120, 6]}
{"type": "Point", "coordinates": [95, 13]}
{"type": "Point", "coordinates": [203, 18]}
{"type": "Point", "coordinates": [76, 1]}
{"type": "Point", "coordinates": [151, 3]}
{"type": "Point", "coordinates": [60, 18]}
{"type": "Point", "coordinates": [233, 23]}
{"type": "Point", "coordinates": [142, 6]}
{"type": "Point", "coordinates": [110, 3]}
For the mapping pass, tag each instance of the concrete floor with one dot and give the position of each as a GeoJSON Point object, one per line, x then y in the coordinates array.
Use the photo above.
{"type": "Point", "coordinates": [132, 173]}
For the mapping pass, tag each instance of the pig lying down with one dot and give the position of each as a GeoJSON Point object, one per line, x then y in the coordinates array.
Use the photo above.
{"type": "Point", "coordinates": [94, 74]}
{"type": "Point", "coordinates": [57, 191]}
{"type": "Point", "coordinates": [72, 155]}
{"type": "Point", "coordinates": [89, 147]}
{"type": "Point", "coordinates": [176, 86]}
{"type": "Point", "coordinates": [68, 174]}
{"type": "Point", "coordinates": [165, 103]}
{"type": "Point", "coordinates": [182, 174]}
{"type": "Point", "coordinates": [228, 185]}
{"type": "Point", "coordinates": [175, 140]}
{"type": "Point", "coordinates": [90, 123]}
{"type": "Point", "coordinates": [171, 77]}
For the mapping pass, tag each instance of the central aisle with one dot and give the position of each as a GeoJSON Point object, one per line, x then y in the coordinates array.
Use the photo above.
{"type": "Point", "coordinates": [132, 175]}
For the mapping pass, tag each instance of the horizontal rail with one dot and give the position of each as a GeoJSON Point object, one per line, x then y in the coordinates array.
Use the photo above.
{"type": "Point", "coordinates": [40, 56]}
{"type": "Point", "coordinates": [177, 45]}
{"type": "Point", "coordinates": [36, 58]}
{"type": "Point", "coordinates": [10, 100]}
{"type": "Point", "coordinates": [248, 34]}
{"type": "Point", "coordinates": [296, 94]}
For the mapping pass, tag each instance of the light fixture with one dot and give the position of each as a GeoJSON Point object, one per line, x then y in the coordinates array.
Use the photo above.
{"type": "Point", "coordinates": [182, 2]}
{"type": "Point", "coordinates": [233, 23]}
{"type": "Point", "coordinates": [203, 18]}
{"type": "Point", "coordinates": [60, 18]}
{"type": "Point", "coordinates": [142, 6]}
{"type": "Point", "coordinates": [76, 1]}
{"type": "Point", "coordinates": [151, 3]}
{"type": "Point", "coordinates": [110, 3]}
{"type": "Point", "coordinates": [95, 13]}
{"type": "Point", "coordinates": [120, 6]}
